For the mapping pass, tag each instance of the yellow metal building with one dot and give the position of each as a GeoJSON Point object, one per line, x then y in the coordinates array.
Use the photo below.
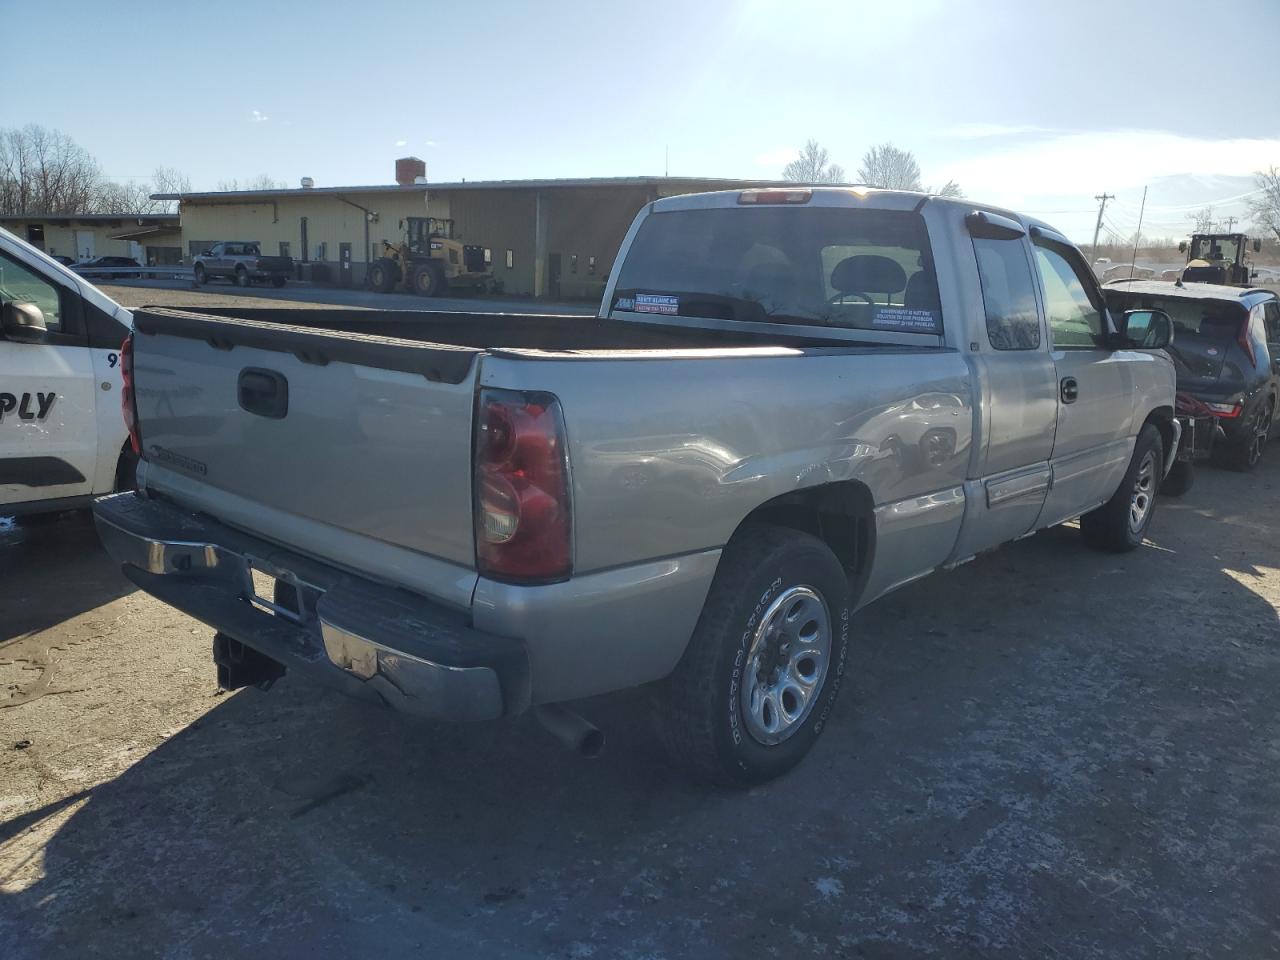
{"type": "Point", "coordinates": [148, 238]}
{"type": "Point", "coordinates": [543, 238]}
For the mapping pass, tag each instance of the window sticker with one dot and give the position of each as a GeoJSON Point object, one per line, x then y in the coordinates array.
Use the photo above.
{"type": "Point", "coordinates": [657, 303]}
{"type": "Point", "coordinates": [625, 303]}
{"type": "Point", "coordinates": [909, 319]}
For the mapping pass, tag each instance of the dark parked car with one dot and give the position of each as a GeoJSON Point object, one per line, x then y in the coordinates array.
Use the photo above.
{"type": "Point", "coordinates": [93, 267]}
{"type": "Point", "coordinates": [1226, 348]}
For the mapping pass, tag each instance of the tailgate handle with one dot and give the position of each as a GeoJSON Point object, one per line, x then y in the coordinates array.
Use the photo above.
{"type": "Point", "coordinates": [264, 393]}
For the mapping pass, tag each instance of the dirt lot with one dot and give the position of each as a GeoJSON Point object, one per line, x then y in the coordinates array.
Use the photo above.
{"type": "Point", "coordinates": [1046, 753]}
{"type": "Point", "coordinates": [174, 293]}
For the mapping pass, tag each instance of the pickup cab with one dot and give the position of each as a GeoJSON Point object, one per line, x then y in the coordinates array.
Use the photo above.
{"type": "Point", "coordinates": [790, 403]}
{"type": "Point", "coordinates": [62, 441]}
{"type": "Point", "coordinates": [242, 263]}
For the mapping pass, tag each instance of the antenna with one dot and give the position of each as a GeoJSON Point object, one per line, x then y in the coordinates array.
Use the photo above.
{"type": "Point", "coordinates": [666, 160]}
{"type": "Point", "coordinates": [1138, 236]}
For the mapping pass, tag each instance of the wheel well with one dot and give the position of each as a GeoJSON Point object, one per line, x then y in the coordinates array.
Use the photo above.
{"type": "Point", "coordinates": [841, 515]}
{"type": "Point", "coordinates": [1162, 419]}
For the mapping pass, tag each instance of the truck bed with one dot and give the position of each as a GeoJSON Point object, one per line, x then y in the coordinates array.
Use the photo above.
{"type": "Point", "coordinates": [470, 331]}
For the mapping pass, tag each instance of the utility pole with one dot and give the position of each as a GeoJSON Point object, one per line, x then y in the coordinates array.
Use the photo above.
{"type": "Point", "coordinates": [1231, 222]}
{"type": "Point", "coordinates": [1102, 205]}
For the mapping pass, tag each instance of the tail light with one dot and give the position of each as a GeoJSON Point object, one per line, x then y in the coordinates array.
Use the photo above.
{"type": "Point", "coordinates": [1225, 410]}
{"type": "Point", "coordinates": [523, 514]}
{"type": "Point", "coordinates": [1246, 344]}
{"type": "Point", "coordinates": [775, 196]}
{"type": "Point", "coordinates": [128, 399]}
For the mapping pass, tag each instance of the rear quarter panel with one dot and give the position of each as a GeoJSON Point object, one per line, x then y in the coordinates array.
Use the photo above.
{"type": "Point", "coordinates": [668, 455]}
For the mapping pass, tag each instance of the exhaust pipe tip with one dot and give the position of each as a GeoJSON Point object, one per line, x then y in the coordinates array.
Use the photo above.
{"type": "Point", "coordinates": [572, 729]}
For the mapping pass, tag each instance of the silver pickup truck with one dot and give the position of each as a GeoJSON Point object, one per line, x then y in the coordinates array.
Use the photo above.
{"type": "Point", "coordinates": [243, 263]}
{"type": "Point", "coordinates": [791, 403]}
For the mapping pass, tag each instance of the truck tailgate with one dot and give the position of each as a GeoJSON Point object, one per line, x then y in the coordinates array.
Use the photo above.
{"type": "Point", "coordinates": [371, 435]}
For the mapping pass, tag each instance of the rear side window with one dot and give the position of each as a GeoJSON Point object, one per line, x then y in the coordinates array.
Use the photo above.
{"type": "Point", "coordinates": [1271, 317]}
{"type": "Point", "coordinates": [1008, 294]}
{"type": "Point", "coordinates": [23, 285]}
{"type": "Point", "coordinates": [821, 266]}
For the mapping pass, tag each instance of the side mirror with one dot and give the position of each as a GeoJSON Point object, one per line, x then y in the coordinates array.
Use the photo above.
{"type": "Point", "coordinates": [1257, 246]}
{"type": "Point", "coordinates": [22, 322]}
{"type": "Point", "coordinates": [1182, 246]}
{"type": "Point", "coordinates": [1146, 329]}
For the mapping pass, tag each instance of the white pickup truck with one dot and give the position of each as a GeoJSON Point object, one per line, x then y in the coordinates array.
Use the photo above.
{"type": "Point", "coordinates": [62, 440]}
{"type": "Point", "coordinates": [791, 402]}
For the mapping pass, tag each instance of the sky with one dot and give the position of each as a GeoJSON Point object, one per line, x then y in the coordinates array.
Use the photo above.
{"type": "Point", "coordinates": [1038, 105]}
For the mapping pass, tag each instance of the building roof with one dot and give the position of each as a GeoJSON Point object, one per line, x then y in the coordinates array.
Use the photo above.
{"type": "Point", "coordinates": [148, 233]}
{"type": "Point", "coordinates": [140, 218]}
{"type": "Point", "coordinates": [571, 182]}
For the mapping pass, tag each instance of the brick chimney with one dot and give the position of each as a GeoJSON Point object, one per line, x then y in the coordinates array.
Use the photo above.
{"type": "Point", "coordinates": [409, 169]}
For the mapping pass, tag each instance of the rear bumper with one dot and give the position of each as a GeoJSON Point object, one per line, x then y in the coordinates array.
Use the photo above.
{"type": "Point", "coordinates": [370, 640]}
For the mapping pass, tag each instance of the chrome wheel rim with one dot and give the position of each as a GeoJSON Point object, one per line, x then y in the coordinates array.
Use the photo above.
{"type": "Point", "coordinates": [786, 665]}
{"type": "Point", "coordinates": [1143, 491]}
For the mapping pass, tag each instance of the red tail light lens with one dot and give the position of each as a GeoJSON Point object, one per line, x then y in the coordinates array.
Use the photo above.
{"type": "Point", "coordinates": [523, 514]}
{"type": "Point", "coordinates": [1246, 344]}
{"type": "Point", "coordinates": [128, 400]}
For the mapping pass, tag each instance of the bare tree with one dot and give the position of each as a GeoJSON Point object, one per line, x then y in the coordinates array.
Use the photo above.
{"type": "Point", "coordinates": [129, 196]}
{"type": "Point", "coordinates": [1201, 220]}
{"type": "Point", "coordinates": [45, 171]}
{"type": "Point", "coordinates": [811, 166]}
{"type": "Point", "coordinates": [261, 182]}
{"type": "Point", "coordinates": [1264, 207]}
{"type": "Point", "coordinates": [168, 180]}
{"type": "Point", "coordinates": [948, 189]}
{"type": "Point", "coordinates": [889, 168]}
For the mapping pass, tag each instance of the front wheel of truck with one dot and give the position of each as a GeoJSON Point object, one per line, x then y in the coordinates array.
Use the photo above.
{"type": "Point", "coordinates": [757, 682]}
{"type": "Point", "coordinates": [1120, 524]}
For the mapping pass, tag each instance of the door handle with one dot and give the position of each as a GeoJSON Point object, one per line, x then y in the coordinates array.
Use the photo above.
{"type": "Point", "coordinates": [263, 392]}
{"type": "Point", "coordinates": [1069, 390]}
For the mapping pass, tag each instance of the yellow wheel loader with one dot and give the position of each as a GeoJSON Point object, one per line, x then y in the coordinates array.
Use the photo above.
{"type": "Point", "coordinates": [429, 261]}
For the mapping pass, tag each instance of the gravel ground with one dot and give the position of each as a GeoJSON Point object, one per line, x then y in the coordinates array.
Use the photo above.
{"type": "Point", "coordinates": [1046, 753]}
{"type": "Point", "coordinates": [173, 293]}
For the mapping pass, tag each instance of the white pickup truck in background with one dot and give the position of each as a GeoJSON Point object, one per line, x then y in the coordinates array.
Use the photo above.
{"type": "Point", "coordinates": [62, 440]}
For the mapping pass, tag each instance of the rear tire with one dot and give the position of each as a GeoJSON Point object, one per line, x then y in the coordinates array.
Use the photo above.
{"type": "Point", "coordinates": [1181, 478]}
{"type": "Point", "coordinates": [278, 282]}
{"type": "Point", "coordinates": [242, 277]}
{"type": "Point", "coordinates": [1246, 454]}
{"type": "Point", "coordinates": [756, 684]}
{"type": "Point", "coordinates": [1120, 524]}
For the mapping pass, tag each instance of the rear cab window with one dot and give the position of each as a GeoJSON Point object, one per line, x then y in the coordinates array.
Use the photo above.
{"type": "Point", "coordinates": [838, 267]}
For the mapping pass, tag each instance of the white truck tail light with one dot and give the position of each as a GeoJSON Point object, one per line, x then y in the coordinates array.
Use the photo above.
{"type": "Point", "coordinates": [523, 515]}
{"type": "Point", "coordinates": [128, 399]}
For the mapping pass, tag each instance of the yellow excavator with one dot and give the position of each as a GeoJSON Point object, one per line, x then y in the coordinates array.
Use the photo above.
{"type": "Point", "coordinates": [429, 261]}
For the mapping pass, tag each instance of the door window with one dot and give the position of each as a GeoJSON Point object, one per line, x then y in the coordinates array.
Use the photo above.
{"type": "Point", "coordinates": [1008, 293]}
{"type": "Point", "coordinates": [1075, 319]}
{"type": "Point", "coordinates": [19, 283]}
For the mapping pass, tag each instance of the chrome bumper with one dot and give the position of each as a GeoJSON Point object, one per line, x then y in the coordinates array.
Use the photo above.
{"type": "Point", "coordinates": [371, 640]}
